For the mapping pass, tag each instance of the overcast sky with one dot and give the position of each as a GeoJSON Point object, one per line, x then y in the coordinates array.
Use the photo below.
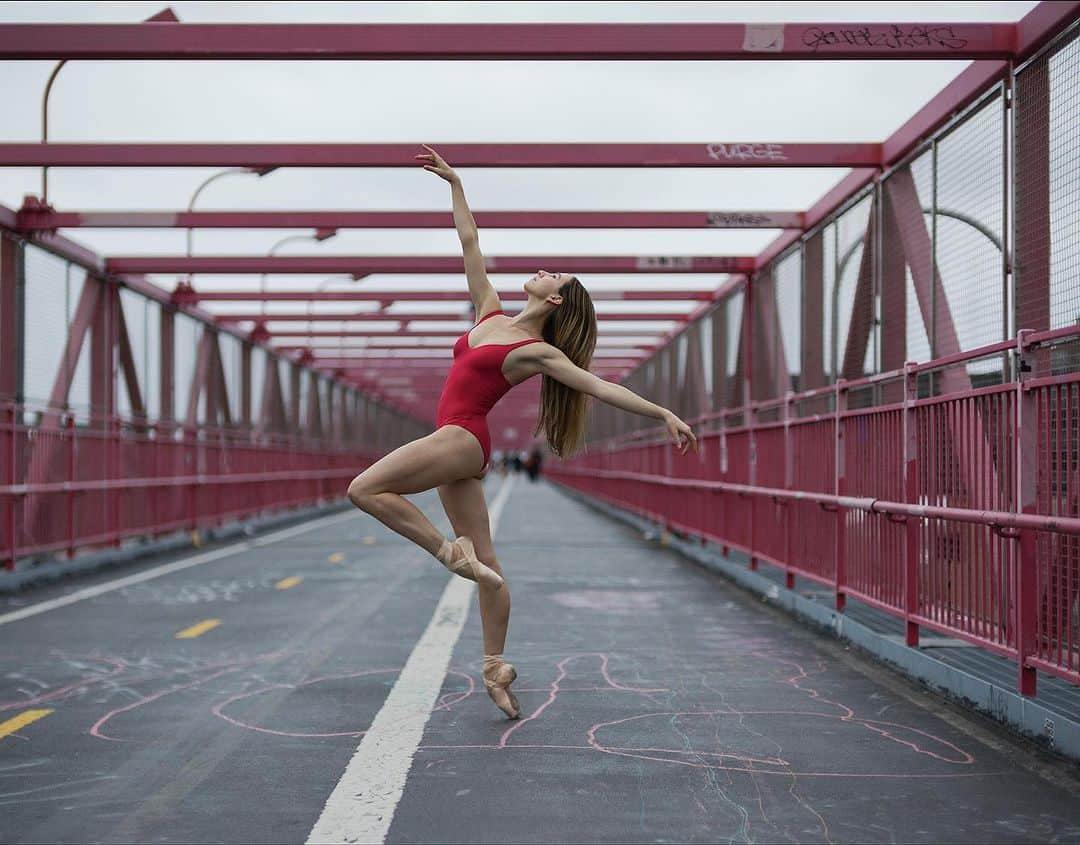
{"type": "Point", "coordinates": [465, 102]}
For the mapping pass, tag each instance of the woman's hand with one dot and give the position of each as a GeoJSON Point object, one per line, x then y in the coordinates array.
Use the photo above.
{"type": "Point", "coordinates": [678, 431]}
{"type": "Point", "coordinates": [437, 165]}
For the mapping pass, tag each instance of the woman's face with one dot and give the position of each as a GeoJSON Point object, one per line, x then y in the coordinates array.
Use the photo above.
{"type": "Point", "coordinates": [545, 284]}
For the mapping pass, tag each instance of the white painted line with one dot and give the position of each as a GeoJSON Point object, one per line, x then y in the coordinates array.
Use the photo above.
{"type": "Point", "coordinates": [165, 569]}
{"type": "Point", "coordinates": [362, 805]}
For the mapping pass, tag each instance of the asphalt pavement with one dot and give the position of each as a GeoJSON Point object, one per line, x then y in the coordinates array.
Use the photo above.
{"type": "Point", "coordinates": [224, 701]}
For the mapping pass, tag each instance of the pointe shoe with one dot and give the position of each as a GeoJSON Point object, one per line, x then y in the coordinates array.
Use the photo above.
{"type": "Point", "coordinates": [469, 566]}
{"type": "Point", "coordinates": [502, 674]}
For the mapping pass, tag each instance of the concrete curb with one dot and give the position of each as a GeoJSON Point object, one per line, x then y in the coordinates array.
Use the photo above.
{"type": "Point", "coordinates": [49, 569]}
{"type": "Point", "coordinates": [1049, 729]}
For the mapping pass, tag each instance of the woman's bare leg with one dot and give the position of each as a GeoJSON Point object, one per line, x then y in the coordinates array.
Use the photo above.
{"type": "Point", "coordinates": [466, 507]}
{"type": "Point", "coordinates": [446, 455]}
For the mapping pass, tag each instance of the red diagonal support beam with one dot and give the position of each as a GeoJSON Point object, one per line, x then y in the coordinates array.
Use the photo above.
{"type": "Point", "coordinates": [34, 218]}
{"type": "Point", "coordinates": [127, 365]}
{"type": "Point", "coordinates": [862, 310]}
{"type": "Point", "coordinates": [521, 42]}
{"type": "Point", "coordinates": [925, 275]}
{"type": "Point", "coordinates": [85, 312]}
{"type": "Point", "coordinates": [272, 408]}
{"type": "Point", "coordinates": [199, 379]}
{"type": "Point", "coordinates": [412, 264]}
{"type": "Point", "coordinates": [702, 154]}
{"type": "Point", "coordinates": [365, 295]}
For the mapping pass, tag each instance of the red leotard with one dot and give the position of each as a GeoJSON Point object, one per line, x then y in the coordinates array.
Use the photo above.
{"type": "Point", "coordinates": [473, 386]}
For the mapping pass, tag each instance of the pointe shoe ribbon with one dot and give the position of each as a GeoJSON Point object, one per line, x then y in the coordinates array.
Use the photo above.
{"type": "Point", "coordinates": [502, 674]}
{"type": "Point", "coordinates": [469, 566]}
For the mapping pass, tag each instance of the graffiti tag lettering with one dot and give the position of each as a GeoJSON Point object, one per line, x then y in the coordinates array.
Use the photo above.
{"type": "Point", "coordinates": [746, 152]}
{"type": "Point", "coordinates": [893, 37]}
{"type": "Point", "coordinates": [736, 218]}
{"type": "Point", "coordinates": [665, 262]}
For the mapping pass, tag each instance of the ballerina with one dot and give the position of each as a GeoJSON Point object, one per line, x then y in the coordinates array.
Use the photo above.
{"type": "Point", "coordinates": [554, 336]}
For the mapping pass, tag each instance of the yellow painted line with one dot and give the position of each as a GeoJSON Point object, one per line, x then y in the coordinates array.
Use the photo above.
{"type": "Point", "coordinates": [369, 540]}
{"type": "Point", "coordinates": [197, 629]}
{"type": "Point", "coordinates": [336, 557]}
{"type": "Point", "coordinates": [291, 581]}
{"type": "Point", "coordinates": [21, 721]}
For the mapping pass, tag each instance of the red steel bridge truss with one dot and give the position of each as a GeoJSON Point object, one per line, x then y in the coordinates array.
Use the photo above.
{"type": "Point", "coordinates": [887, 397]}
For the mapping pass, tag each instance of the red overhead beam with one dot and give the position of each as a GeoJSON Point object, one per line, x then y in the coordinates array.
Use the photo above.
{"type": "Point", "coordinates": [186, 295]}
{"type": "Point", "coordinates": [397, 367]}
{"type": "Point", "coordinates": [703, 154]}
{"type": "Point", "coordinates": [369, 264]}
{"type": "Point", "coordinates": [451, 335]}
{"type": "Point", "coordinates": [445, 316]}
{"type": "Point", "coordinates": [393, 367]}
{"type": "Point", "coordinates": [388, 348]}
{"type": "Point", "coordinates": [521, 42]}
{"type": "Point", "coordinates": [35, 219]}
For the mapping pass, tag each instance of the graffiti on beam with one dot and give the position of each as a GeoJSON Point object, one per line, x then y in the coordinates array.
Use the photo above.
{"type": "Point", "coordinates": [893, 37]}
{"type": "Point", "coordinates": [746, 152]}
{"type": "Point", "coordinates": [731, 219]}
{"type": "Point", "coordinates": [696, 263]}
{"type": "Point", "coordinates": [665, 262]}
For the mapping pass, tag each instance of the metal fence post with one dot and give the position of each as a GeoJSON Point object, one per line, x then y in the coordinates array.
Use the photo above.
{"type": "Point", "coordinates": [1027, 581]}
{"type": "Point", "coordinates": [749, 412]}
{"type": "Point", "coordinates": [69, 425]}
{"type": "Point", "coordinates": [840, 489]}
{"type": "Point", "coordinates": [911, 497]}
{"type": "Point", "coordinates": [789, 483]}
{"type": "Point", "coordinates": [12, 325]}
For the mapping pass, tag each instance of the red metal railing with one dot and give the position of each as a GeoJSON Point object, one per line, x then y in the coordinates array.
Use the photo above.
{"type": "Point", "coordinates": [959, 513]}
{"type": "Point", "coordinates": [99, 483]}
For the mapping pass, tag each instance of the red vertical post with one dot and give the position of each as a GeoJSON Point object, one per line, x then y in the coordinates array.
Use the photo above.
{"type": "Point", "coordinates": [813, 314]}
{"type": "Point", "coordinates": [893, 282]}
{"type": "Point", "coordinates": [164, 446]}
{"type": "Point", "coordinates": [671, 503]}
{"type": "Point", "coordinates": [245, 387]}
{"type": "Point", "coordinates": [1031, 189]}
{"type": "Point", "coordinates": [750, 415]}
{"type": "Point", "coordinates": [167, 361]}
{"type": "Point", "coordinates": [840, 489]}
{"type": "Point", "coordinates": [12, 324]}
{"type": "Point", "coordinates": [294, 399]}
{"type": "Point", "coordinates": [1027, 581]}
{"type": "Point", "coordinates": [789, 483]}
{"type": "Point", "coordinates": [69, 426]}
{"type": "Point", "coordinates": [103, 395]}
{"type": "Point", "coordinates": [911, 497]}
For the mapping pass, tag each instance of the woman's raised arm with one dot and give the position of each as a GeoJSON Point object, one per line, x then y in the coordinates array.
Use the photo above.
{"type": "Point", "coordinates": [553, 363]}
{"type": "Point", "coordinates": [481, 291]}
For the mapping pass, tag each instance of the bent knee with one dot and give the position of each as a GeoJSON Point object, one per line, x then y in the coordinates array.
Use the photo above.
{"type": "Point", "coordinates": [360, 494]}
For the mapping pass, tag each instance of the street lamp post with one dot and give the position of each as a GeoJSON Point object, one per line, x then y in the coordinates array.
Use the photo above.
{"type": "Point", "coordinates": [166, 15]}
{"type": "Point", "coordinates": [318, 235]}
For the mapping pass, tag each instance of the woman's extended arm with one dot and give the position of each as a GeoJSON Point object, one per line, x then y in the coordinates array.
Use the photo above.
{"type": "Point", "coordinates": [551, 362]}
{"type": "Point", "coordinates": [484, 298]}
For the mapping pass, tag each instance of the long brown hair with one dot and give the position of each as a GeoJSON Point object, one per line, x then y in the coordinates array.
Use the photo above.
{"type": "Point", "coordinates": [571, 328]}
